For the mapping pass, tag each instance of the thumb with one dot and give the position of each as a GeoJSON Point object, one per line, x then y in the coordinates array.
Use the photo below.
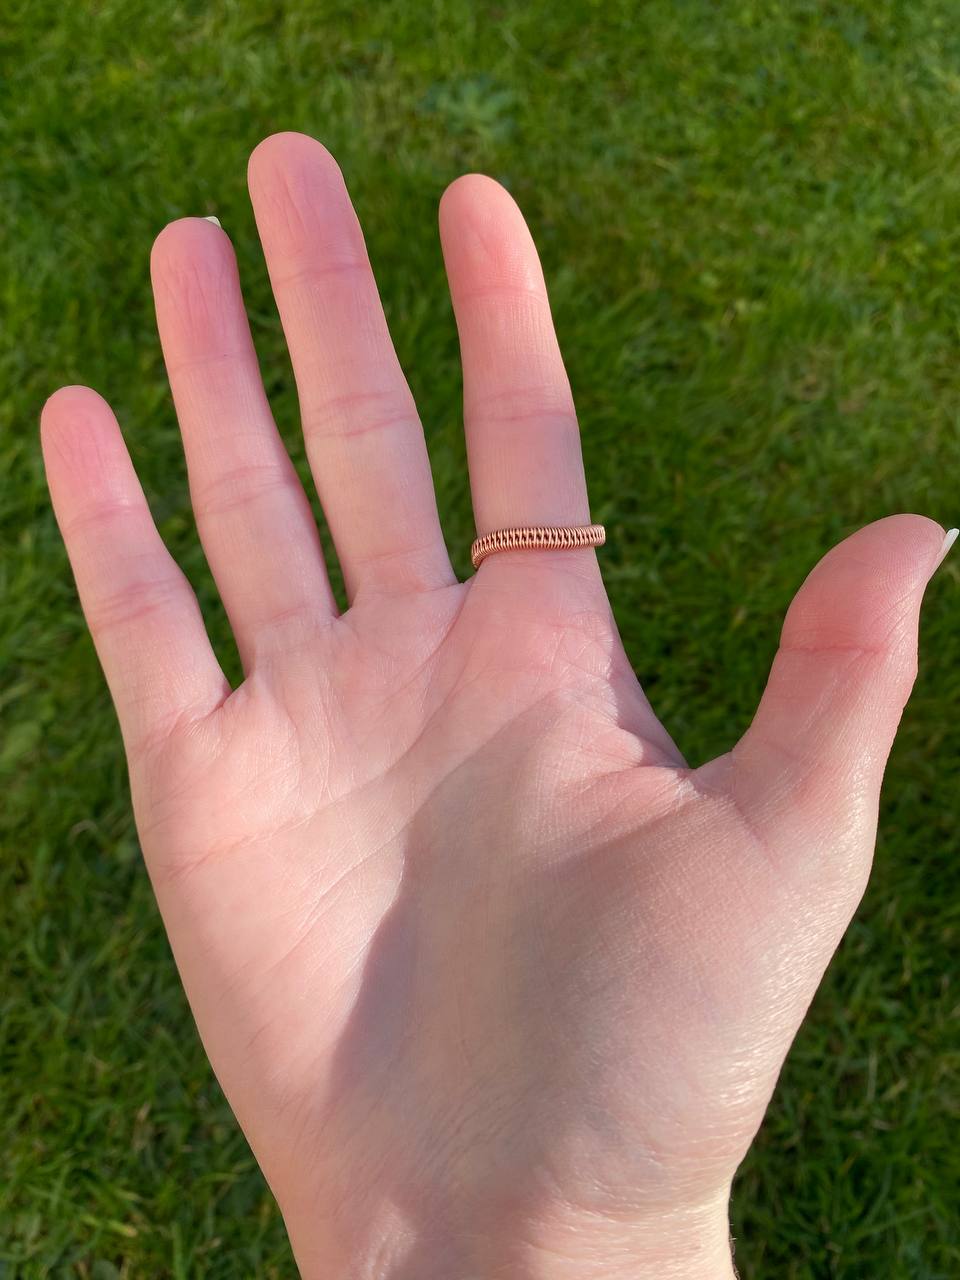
{"type": "Point", "coordinates": [807, 772]}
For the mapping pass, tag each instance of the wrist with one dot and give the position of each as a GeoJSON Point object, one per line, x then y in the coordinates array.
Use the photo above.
{"type": "Point", "coordinates": [676, 1244]}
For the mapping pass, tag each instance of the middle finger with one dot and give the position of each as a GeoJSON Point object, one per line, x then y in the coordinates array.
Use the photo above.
{"type": "Point", "coordinates": [360, 424]}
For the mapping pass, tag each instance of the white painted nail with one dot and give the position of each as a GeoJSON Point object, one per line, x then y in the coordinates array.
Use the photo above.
{"type": "Point", "coordinates": [948, 541]}
{"type": "Point", "coordinates": [216, 221]}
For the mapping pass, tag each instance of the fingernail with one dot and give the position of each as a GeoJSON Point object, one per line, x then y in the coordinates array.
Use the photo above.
{"type": "Point", "coordinates": [948, 541]}
{"type": "Point", "coordinates": [216, 221]}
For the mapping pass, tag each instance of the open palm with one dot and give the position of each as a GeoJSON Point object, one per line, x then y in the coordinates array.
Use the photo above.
{"type": "Point", "coordinates": [495, 984]}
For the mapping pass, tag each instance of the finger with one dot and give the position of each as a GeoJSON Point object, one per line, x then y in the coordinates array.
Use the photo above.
{"type": "Point", "coordinates": [523, 442]}
{"type": "Point", "coordinates": [253, 516]}
{"type": "Point", "coordinates": [142, 614]}
{"type": "Point", "coordinates": [809, 767]}
{"type": "Point", "coordinates": [363, 437]}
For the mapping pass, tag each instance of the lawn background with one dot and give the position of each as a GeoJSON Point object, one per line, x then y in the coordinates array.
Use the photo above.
{"type": "Point", "coordinates": [749, 215]}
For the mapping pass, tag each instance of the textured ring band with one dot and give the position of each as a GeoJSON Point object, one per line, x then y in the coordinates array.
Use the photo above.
{"type": "Point", "coordinates": [537, 537]}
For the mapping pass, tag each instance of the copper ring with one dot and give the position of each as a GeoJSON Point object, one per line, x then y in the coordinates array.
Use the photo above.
{"type": "Point", "coordinates": [537, 537]}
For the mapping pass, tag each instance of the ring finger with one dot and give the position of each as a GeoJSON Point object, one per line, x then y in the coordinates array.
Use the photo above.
{"type": "Point", "coordinates": [253, 516]}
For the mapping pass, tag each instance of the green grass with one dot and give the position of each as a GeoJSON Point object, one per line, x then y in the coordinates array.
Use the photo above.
{"type": "Point", "coordinates": [749, 215]}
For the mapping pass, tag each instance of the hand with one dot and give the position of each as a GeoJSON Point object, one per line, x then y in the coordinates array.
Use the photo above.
{"type": "Point", "coordinates": [496, 985]}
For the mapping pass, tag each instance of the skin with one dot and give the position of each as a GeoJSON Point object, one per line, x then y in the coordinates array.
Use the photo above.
{"type": "Point", "coordinates": [495, 984]}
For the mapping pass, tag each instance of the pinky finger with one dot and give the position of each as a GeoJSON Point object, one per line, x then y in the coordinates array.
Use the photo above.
{"type": "Point", "coordinates": [140, 609]}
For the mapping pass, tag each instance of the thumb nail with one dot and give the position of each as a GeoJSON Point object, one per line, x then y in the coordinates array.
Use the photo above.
{"type": "Point", "coordinates": [949, 539]}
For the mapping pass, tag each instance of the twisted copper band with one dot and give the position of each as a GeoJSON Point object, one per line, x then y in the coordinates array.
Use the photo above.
{"type": "Point", "coordinates": [537, 538]}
